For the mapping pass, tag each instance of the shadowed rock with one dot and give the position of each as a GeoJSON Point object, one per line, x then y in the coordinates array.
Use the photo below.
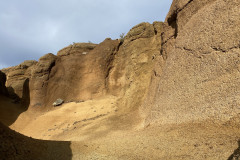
{"type": "Point", "coordinates": [16, 146]}
{"type": "Point", "coordinates": [3, 89]}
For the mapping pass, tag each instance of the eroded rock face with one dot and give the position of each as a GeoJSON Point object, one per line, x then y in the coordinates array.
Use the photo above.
{"type": "Point", "coordinates": [40, 77]}
{"type": "Point", "coordinates": [142, 30]}
{"type": "Point", "coordinates": [199, 80]}
{"type": "Point", "coordinates": [17, 77]}
{"type": "Point", "coordinates": [77, 48]}
{"type": "Point", "coordinates": [132, 68]}
{"type": "Point", "coordinates": [81, 76]}
{"type": "Point", "coordinates": [185, 69]}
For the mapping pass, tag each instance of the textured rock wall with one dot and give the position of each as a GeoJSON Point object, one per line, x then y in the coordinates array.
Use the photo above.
{"type": "Point", "coordinates": [132, 68]}
{"type": "Point", "coordinates": [183, 70]}
{"type": "Point", "coordinates": [39, 79]}
{"type": "Point", "coordinates": [200, 77]}
{"type": "Point", "coordinates": [81, 76]}
{"type": "Point", "coordinates": [77, 48]}
{"type": "Point", "coordinates": [85, 71]}
{"type": "Point", "coordinates": [17, 77]}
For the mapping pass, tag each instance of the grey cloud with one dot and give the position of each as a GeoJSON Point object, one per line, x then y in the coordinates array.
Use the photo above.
{"type": "Point", "coordinates": [29, 29]}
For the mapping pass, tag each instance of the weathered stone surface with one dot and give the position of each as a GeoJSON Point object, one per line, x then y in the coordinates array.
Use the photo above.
{"type": "Point", "coordinates": [81, 76]}
{"type": "Point", "coordinates": [188, 65]}
{"type": "Point", "coordinates": [77, 48]}
{"type": "Point", "coordinates": [142, 30]}
{"type": "Point", "coordinates": [39, 78]}
{"type": "Point", "coordinates": [132, 68]}
{"type": "Point", "coordinates": [44, 65]}
{"type": "Point", "coordinates": [17, 77]}
{"type": "Point", "coordinates": [58, 102]}
{"type": "Point", "coordinates": [183, 74]}
{"type": "Point", "coordinates": [199, 79]}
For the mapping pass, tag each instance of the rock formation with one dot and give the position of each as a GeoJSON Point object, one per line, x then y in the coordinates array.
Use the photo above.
{"type": "Point", "coordinates": [16, 146]}
{"type": "Point", "coordinates": [171, 74]}
{"type": "Point", "coordinates": [17, 80]}
{"type": "Point", "coordinates": [132, 67]}
{"type": "Point", "coordinates": [76, 48]}
{"type": "Point", "coordinates": [82, 73]}
{"type": "Point", "coordinates": [188, 65]}
{"type": "Point", "coordinates": [199, 79]}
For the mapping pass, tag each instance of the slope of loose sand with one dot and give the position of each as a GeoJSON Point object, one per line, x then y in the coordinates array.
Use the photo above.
{"type": "Point", "coordinates": [97, 129]}
{"type": "Point", "coordinates": [66, 120]}
{"type": "Point", "coordinates": [186, 141]}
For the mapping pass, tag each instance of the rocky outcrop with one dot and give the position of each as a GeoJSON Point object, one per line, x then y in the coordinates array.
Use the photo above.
{"type": "Point", "coordinates": [39, 78]}
{"type": "Point", "coordinates": [183, 70]}
{"type": "Point", "coordinates": [132, 68]}
{"type": "Point", "coordinates": [30, 77]}
{"type": "Point", "coordinates": [17, 78]}
{"type": "Point", "coordinates": [181, 74]}
{"type": "Point", "coordinates": [85, 71]}
{"type": "Point", "coordinates": [142, 30]}
{"type": "Point", "coordinates": [199, 79]}
{"type": "Point", "coordinates": [80, 70]}
{"type": "Point", "coordinates": [81, 76]}
{"type": "Point", "coordinates": [77, 48]}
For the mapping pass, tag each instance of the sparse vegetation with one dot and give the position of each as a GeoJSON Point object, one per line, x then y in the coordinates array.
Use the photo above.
{"type": "Point", "coordinates": [122, 36]}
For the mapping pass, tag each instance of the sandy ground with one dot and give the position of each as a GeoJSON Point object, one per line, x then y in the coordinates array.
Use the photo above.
{"type": "Point", "coordinates": [65, 121]}
{"type": "Point", "coordinates": [98, 129]}
{"type": "Point", "coordinates": [162, 142]}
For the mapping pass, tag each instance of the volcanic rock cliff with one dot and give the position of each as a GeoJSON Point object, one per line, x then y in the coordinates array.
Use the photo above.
{"type": "Point", "coordinates": [87, 71]}
{"type": "Point", "coordinates": [169, 83]}
{"type": "Point", "coordinates": [16, 146]}
{"type": "Point", "coordinates": [201, 50]}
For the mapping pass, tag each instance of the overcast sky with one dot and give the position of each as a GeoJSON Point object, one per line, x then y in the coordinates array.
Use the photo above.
{"type": "Point", "coordinates": [31, 28]}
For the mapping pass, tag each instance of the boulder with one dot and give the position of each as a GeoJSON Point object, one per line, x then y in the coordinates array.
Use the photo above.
{"type": "Point", "coordinates": [58, 102]}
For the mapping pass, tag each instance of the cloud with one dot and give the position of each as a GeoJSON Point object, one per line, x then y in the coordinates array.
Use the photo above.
{"type": "Point", "coordinates": [30, 29]}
